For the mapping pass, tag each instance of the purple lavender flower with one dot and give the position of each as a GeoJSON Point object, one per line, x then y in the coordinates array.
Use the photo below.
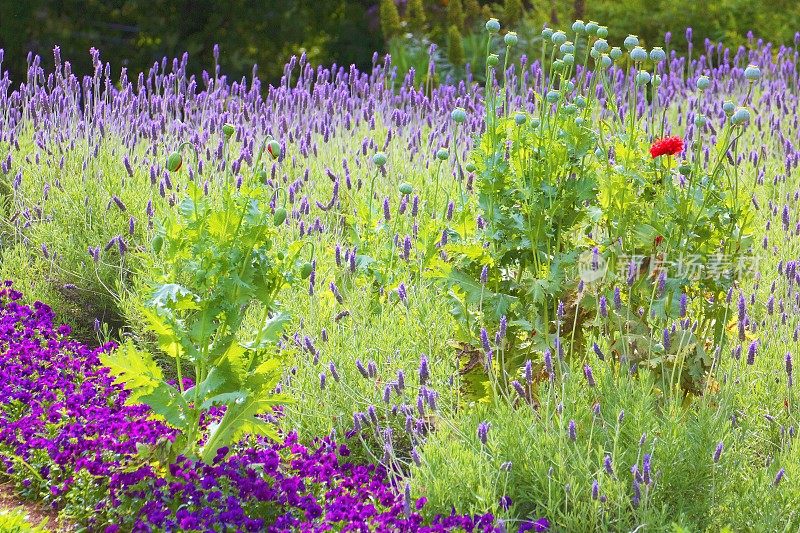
{"type": "Point", "coordinates": [483, 432]}
{"type": "Point", "coordinates": [778, 477]}
{"type": "Point", "coordinates": [607, 465]}
{"type": "Point", "coordinates": [424, 373]}
{"type": "Point", "coordinates": [598, 351]}
{"type": "Point", "coordinates": [718, 452]}
{"type": "Point", "coordinates": [751, 353]}
{"type": "Point", "coordinates": [587, 371]}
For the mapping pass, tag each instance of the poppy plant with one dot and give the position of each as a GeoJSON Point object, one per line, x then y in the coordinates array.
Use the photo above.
{"type": "Point", "coordinates": [666, 146]}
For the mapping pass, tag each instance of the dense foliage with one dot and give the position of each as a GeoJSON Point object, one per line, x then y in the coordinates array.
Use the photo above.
{"type": "Point", "coordinates": [568, 296]}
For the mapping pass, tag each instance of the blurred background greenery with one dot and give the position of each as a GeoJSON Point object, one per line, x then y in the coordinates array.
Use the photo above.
{"type": "Point", "coordinates": [137, 33]}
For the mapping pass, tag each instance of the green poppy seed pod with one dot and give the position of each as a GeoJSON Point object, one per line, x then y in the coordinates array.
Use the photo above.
{"type": "Point", "coordinates": [559, 38]}
{"type": "Point", "coordinates": [519, 119]}
{"type": "Point", "coordinates": [379, 159]}
{"type": "Point", "coordinates": [579, 121]}
{"type": "Point", "coordinates": [458, 115]}
{"type": "Point", "coordinates": [594, 54]}
{"type": "Point", "coordinates": [569, 86]}
{"type": "Point", "coordinates": [700, 121]}
{"type": "Point", "coordinates": [602, 32]}
{"type": "Point", "coordinates": [606, 61]}
{"type": "Point", "coordinates": [274, 149]}
{"type": "Point", "coordinates": [580, 101]}
{"type": "Point", "coordinates": [558, 65]}
{"type": "Point", "coordinates": [578, 26]}
{"type": "Point", "coordinates": [406, 188]}
{"type": "Point", "coordinates": [639, 54]}
{"type": "Point", "coordinates": [469, 167]}
{"type": "Point", "coordinates": [279, 217]}
{"type": "Point", "coordinates": [567, 48]}
{"type": "Point", "coordinates": [174, 162]}
{"type": "Point", "coordinates": [535, 122]}
{"type": "Point", "coordinates": [442, 154]}
{"type": "Point", "coordinates": [280, 255]}
{"type": "Point", "coordinates": [592, 27]}
{"type": "Point", "coordinates": [228, 129]}
{"type": "Point", "coordinates": [656, 80]}
{"type": "Point", "coordinates": [570, 109]}
{"type": "Point", "coordinates": [493, 60]}
{"type": "Point", "coordinates": [601, 45]}
{"type": "Point", "coordinates": [552, 96]}
{"type": "Point", "coordinates": [631, 42]}
{"type": "Point", "coordinates": [740, 116]}
{"type": "Point", "coordinates": [657, 54]}
{"type": "Point", "coordinates": [685, 169]}
{"type": "Point", "coordinates": [729, 107]}
{"type": "Point", "coordinates": [703, 83]}
{"type": "Point", "coordinates": [511, 38]}
{"type": "Point", "coordinates": [752, 73]}
{"type": "Point", "coordinates": [305, 270]}
{"type": "Point", "coordinates": [615, 53]}
{"type": "Point", "coordinates": [547, 33]}
{"type": "Point", "coordinates": [599, 153]}
{"type": "Point", "coordinates": [568, 59]}
{"type": "Point", "coordinates": [493, 25]}
{"type": "Point", "coordinates": [642, 77]}
{"type": "Point", "coordinates": [157, 243]}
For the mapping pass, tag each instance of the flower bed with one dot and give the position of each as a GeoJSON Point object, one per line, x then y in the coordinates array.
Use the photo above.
{"type": "Point", "coordinates": [67, 437]}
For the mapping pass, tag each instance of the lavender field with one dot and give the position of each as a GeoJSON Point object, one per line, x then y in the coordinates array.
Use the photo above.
{"type": "Point", "coordinates": [560, 294]}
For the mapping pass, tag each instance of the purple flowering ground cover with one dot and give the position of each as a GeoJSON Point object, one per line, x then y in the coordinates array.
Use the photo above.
{"type": "Point", "coordinates": [65, 428]}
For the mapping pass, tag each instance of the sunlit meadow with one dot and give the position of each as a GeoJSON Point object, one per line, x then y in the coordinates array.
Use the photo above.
{"type": "Point", "coordinates": [562, 297]}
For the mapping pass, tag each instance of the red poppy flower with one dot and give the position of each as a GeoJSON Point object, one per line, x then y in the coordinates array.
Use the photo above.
{"type": "Point", "coordinates": [666, 146]}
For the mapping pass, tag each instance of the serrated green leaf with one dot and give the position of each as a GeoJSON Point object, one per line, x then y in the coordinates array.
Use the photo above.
{"type": "Point", "coordinates": [269, 333]}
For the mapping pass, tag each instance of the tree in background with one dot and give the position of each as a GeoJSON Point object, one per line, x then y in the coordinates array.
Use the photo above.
{"type": "Point", "coordinates": [390, 19]}
{"type": "Point", "coordinates": [513, 12]}
{"type": "Point", "coordinates": [415, 13]}
{"type": "Point", "coordinates": [138, 33]}
{"type": "Point", "coordinates": [455, 14]}
{"type": "Point", "coordinates": [455, 47]}
{"type": "Point", "coordinates": [473, 12]}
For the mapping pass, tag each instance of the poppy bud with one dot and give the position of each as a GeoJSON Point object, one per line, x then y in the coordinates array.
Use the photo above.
{"type": "Point", "coordinates": [158, 242]}
{"type": "Point", "coordinates": [493, 25]}
{"type": "Point", "coordinates": [174, 162]}
{"type": "Point", "coordinates": [279, 216]}
{"type": "Point", "coordinates": [406, 188]}
{"type": "Point", "coordinates": [493, 60]}
{"type": "Point", "coordinates": [305, 270]}
{"type": "Point", "coordinates": [379, 159]}
{"type": "Point", "coordinates": [752, 73]}
{"type": "Point", "coordinates": [458, 115]}
{"type": "Point", "coordinates": [729, 107]}
{"type": "Point", "coordinates": [274, 149]}
{"type": "Point", "coordinates": [469, 167]}
{"type": "Point", "coordinates": [631, 41]}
